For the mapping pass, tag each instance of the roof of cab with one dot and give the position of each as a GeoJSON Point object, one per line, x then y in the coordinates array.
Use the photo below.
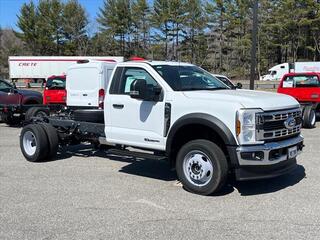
{"type": "Point", "coordinates": [157, 63]}
{"type": "Point", "coordinates": [301, 73]}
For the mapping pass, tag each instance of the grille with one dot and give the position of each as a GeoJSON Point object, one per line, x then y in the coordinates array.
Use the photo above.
{"type": "Point", "coordinates": [272, 125]}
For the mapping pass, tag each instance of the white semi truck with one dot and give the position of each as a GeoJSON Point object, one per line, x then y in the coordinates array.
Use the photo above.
{"type": "Point", "coordinates": [276, 73]}
{"type": "Point", "coordinates": [179, 112]}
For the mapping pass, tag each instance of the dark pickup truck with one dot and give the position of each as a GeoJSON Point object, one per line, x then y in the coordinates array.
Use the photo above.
{"type": "Point", "coordinates": [14, 102]}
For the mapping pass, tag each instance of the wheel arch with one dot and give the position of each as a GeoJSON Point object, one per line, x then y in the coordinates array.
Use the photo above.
{"type": "Point", "coordinates": [203, 126]}
{"type": "Point", "coordinates": [31, 100]}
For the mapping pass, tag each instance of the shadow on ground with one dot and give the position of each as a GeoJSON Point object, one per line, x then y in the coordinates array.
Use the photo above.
{"type": "Point", "coordinates": [161, 170]}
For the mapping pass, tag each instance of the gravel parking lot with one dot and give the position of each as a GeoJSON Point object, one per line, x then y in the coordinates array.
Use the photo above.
{"type": "Point", "coordinates": [95, 195]}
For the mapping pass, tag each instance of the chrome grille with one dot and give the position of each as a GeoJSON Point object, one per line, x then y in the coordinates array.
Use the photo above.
{"type": "Point", "coordinates": [271, 125]}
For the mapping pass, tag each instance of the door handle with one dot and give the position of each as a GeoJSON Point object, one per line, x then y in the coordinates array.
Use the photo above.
{"type": "Point", "coordinates": [85, 95]}
{"type": "Point", "coordinates": [118, 106]}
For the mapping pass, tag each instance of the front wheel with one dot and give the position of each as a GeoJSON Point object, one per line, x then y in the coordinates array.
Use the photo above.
{"type": "Point", "coordinates": [202, 167]}
{"type": "Point", "coordinates": [309, 117]}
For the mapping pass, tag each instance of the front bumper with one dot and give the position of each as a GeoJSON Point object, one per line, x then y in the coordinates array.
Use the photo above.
{"type": "Point", "coordinates": [267, 160]}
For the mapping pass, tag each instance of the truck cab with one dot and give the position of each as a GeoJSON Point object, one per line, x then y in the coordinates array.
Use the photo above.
{"type": "Point", "coordinates": [276, 72]}
{"type": "Point", "coordinates": [180, 112]}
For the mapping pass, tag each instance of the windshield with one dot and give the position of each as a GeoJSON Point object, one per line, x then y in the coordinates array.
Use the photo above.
{"type": "Point", "coordinates": [5, 86]}
{"type": "Point", "coordinates": [56, 83]}
{"type": "Point", "coordinates": [301, 81]}
{"type": "Point", "coordinates": [189, 78]}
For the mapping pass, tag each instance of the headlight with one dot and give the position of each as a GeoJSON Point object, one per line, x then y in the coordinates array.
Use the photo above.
{"type": "Point", "coordinates": [246, 126]}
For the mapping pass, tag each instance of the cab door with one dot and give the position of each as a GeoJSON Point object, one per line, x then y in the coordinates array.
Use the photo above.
{"type": "Point", "coordinates": [8, 95]}
{"type": "Point", "coordinates": [134, 122]}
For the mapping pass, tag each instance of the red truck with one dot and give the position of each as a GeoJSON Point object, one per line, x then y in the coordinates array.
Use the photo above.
{"type": "Point", "coordinates": [305, 87]}
{"type": "Point", "coordinates": [55, 90]}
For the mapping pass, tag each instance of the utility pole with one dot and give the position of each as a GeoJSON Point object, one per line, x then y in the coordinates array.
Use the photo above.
{"type": "Point", "coordinates": [254, 44]}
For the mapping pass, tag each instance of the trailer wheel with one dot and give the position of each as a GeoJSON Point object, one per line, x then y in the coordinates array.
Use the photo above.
{"type": "Point", "coordinates": [202, 167]}
{"type": "Point", "coordinates": [53, 139]}
{"type": "Point", "coordinates": [89, 115]}
{"type": "Point", "coordinates": [309, 117]}
{"type": "Point", "coordinates": [36, 112]}
{"type": "Point", "coordinates": [34, 143]}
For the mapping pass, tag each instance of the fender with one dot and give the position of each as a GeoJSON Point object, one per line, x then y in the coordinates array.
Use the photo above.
{"type": "Point", "coordinates": [26, 99]}
{"type": "Point", "coordinates": [204, 119]}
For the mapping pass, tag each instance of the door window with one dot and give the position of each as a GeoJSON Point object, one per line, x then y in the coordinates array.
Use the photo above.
{"type": "Point", "coordinates": [5, 87]}
{"type": "Point", "coordinates": [131, 74]}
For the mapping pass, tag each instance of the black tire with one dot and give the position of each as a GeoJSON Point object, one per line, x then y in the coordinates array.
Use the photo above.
{"type": "Point", "coordinates": [211, 154]}
{"type": "Point", "coordinates": [11, 120]}
{"type": "Point", "coordinates": [309, 117]}
{"type": "Point", "coordinates": [53, 139]}
{"type": "Point", "coordinates": [36, 112]}
{"type": "Point", "coordinates": [89, 115]}
{"type": "Point", "coordinates": [41, 143]}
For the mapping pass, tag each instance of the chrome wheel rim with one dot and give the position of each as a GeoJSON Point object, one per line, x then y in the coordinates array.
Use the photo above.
{"type": "Point", "coordinates": [29, 143]}
{"type": "Point", "coordinates": [198, 168]}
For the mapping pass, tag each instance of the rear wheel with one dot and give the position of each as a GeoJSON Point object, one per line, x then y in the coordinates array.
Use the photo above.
{"type": "Point", "coordinates": [309, 117]}
{"type": "Point", "coordinates": [34, 143]}
{"type": "Point", "coordinates": [53, 139]}
{"type": "Point", "coordinates": [36, 112]}
{"type": "Point", "coordinates": [202, 167]}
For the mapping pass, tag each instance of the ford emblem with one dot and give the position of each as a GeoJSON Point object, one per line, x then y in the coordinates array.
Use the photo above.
{"type": "Point", "coordinates": [290, 123]}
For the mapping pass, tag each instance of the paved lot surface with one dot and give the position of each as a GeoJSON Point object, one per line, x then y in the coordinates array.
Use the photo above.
{"type": "Point", "coordinates": [92, 195]}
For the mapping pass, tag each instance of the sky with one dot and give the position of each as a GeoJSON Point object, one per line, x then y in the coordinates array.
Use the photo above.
{"type": "Point", "coordinates": [10, 8]}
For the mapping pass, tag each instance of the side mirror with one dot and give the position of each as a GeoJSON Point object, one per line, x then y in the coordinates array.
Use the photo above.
{"type": "Point", "coordinates": [12, 91]}
{"type": "Point", "coordinates": [239, 85]}
{"type": "Point", "coordinates": [138, 89]}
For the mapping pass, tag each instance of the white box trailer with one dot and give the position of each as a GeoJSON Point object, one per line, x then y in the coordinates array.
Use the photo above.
{"type": "Point", "coordinates": [36, 67]}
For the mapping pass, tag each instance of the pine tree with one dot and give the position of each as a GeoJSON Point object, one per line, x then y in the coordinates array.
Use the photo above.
{"type": "Point", "coordinates": [141, 26]}
{"type": "Point", "coordinates": [27, 22]}
{"type": "Point", "coordinates": [74, 26]}
{"type": "Point", "coordinates": [115, 19]}
{"type": "Point", "coordinates": [49, 25]}
{"type": "Point", "coordinates": [161, 22]}
{"type": "Point", "coordinates": [194, 25]}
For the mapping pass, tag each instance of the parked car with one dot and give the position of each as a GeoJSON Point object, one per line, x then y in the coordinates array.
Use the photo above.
{"type": "Point", "coordinates": [55, 90]}
{"type": "Point", "coordinates": [227, 81]}
{"type": "Point", "coordinates": [180, 112]}
{"type": "Point", "coordinates": [305, 87]}
{"type": "Point", "coordinates": [13, 102]}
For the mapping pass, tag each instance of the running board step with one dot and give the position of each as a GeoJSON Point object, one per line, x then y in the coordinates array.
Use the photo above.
{"type": "Point", "coordinates": [136, 154]}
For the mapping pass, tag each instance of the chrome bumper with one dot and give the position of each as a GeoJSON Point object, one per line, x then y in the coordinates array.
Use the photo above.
{"type": "Point", "coordinates": [278, 149]}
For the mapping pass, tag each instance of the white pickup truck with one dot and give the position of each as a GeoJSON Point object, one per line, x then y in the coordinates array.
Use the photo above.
{"type": "Point", "coordinates": [180, 112]}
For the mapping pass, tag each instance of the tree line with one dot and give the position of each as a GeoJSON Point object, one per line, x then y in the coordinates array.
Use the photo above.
{"type": "Point", "coordinates": [215, 34]}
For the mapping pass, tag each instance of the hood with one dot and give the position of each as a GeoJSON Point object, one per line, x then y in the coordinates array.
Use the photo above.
{"type": "Point", "coordinates": [247, 98]}
{"type": "Point", "coordinates": [28, 93]}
